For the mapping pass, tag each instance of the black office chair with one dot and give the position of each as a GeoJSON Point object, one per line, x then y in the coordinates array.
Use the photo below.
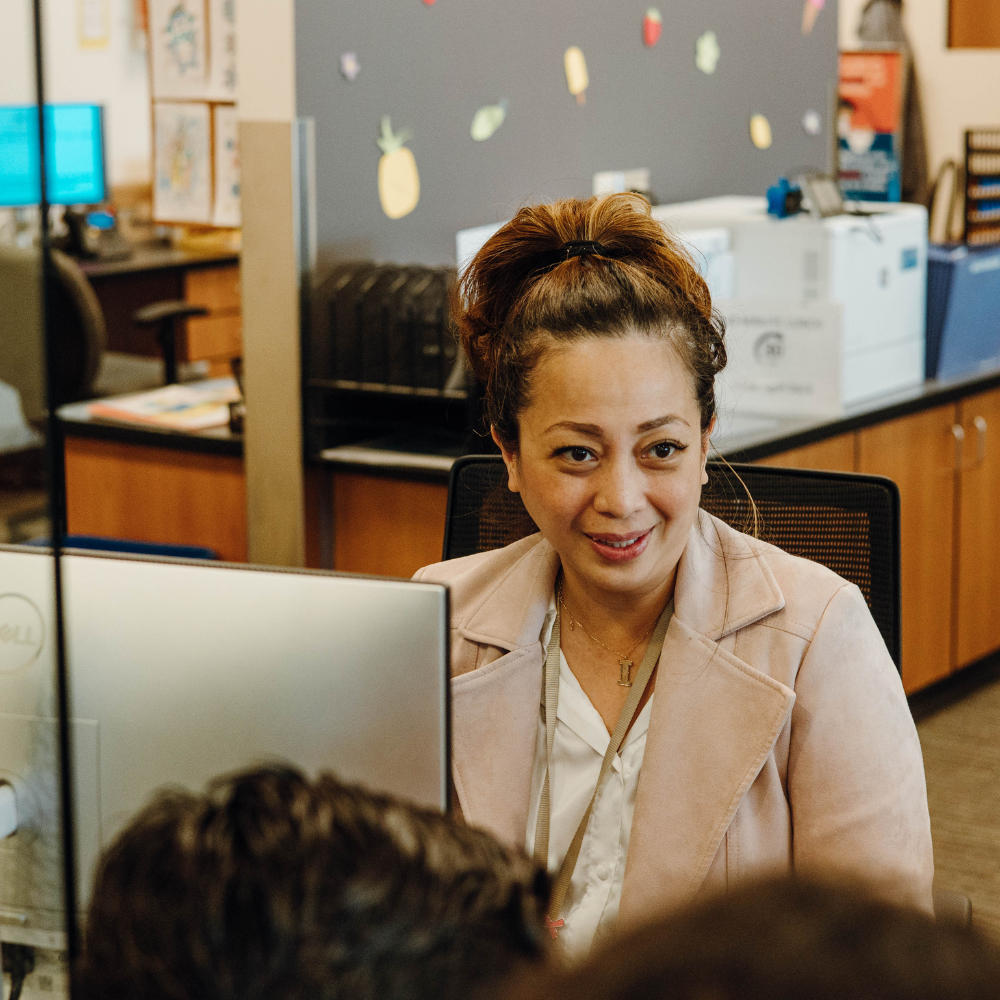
{"type": "Point", "coordinates": [845, 521]}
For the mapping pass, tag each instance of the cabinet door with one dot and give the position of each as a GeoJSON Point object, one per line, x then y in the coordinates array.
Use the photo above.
{"type": "Point", "coordinates": [919, 454]}
{"type": "Point", "coordinates": [978, 604]}
{"type": "Point", "coordinates": [835, 454]}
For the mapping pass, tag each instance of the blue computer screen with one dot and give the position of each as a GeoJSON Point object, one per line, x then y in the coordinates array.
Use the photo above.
{"type": "Point", "coordinates": [74, 155]}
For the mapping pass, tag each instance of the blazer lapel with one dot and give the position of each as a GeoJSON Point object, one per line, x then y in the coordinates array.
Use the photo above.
{"type": "Point", "coordinates": [714, 722]}
{"type": "Point", "coordinates": [495, 707]}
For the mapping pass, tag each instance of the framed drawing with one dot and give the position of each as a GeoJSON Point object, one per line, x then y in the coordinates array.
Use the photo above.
{"type": "Point", "coordinates": [222, 49]}
{"type": "Point", "coordinates": [182, 184]}
{"type": "Point", "coordinates": [178, 48]}
{"type": "Point", "coordinates": [227, 166]}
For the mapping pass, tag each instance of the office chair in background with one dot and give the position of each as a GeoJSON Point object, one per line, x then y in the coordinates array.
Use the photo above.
{"type": "Point", "coordinates": [84, 369]}
{"type": "Point", "coordinates": [848, 522]}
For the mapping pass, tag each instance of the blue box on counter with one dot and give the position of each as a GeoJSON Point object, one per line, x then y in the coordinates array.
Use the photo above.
{"type": "Point", "coordinates": [963, 310]}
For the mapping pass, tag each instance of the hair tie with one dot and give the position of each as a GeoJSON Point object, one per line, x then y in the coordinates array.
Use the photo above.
{"type": "Point", "coordinates": [577, 248]}
{"type": "Point", "coordinates": [572, 248]}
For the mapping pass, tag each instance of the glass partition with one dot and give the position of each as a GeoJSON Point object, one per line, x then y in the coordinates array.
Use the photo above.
{"type": "Point", "coordinates": [33, 751]}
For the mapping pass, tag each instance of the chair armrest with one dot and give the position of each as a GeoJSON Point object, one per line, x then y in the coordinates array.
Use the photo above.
{"type": "Point", "coordinates": [157, 312]}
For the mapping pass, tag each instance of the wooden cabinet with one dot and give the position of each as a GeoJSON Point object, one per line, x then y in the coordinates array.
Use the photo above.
{"type": "Point", "coordinates": [217, 337]}
{"type": "Point", "coordinates": [836, 454]}
{"type": "Point", "coordinates": [977, 607]}
{"type": "Point", "coordinates": [151, 494]}
{"type": "Point", "coordinates": [918, 452]}
{"type": "Point", "coordinates": [391, 527]}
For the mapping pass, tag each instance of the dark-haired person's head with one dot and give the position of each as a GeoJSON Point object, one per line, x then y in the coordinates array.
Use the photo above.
{"type": "Point", "coordinates": [274, 886]}
{"type": "Point", "coordinates": [783, 940]}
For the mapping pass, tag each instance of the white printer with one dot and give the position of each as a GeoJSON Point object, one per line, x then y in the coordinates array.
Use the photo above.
{"type": "Point", "coordinates": [821, 313]}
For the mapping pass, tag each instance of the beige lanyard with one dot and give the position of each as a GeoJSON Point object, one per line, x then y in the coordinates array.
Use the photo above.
{"type": "Point", "coordinates": [562, 881]}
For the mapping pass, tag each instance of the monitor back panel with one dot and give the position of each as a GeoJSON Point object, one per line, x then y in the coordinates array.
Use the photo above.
{"type": "Point", "coordinates": [180, 672]}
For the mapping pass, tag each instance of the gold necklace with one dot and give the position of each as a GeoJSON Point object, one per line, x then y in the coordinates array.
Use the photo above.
{"type": "Point", "coordinates": [625, 661]}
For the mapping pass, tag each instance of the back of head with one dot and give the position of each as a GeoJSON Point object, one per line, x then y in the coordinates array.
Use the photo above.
{"type": "Point", "coordinates": [270, 885]}
{"type": "Point", "coordinates": [600, 267]}
{"type": "Point", "coordinates": [785, 941]}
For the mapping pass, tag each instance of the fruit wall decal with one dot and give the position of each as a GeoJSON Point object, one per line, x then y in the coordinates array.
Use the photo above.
{"type": "Point", "coordinates": [652, 27]}
{"type": "Point", "coordinates": [809, 14]}
{"type": "Point", "coordinates": [487, 120]}
{"type": "Point", "coordinates": [760, 131]}
{"type": "Point", "coordinates": [350, 66]}
{"type": "Point", "coordinates": [398, 180]}
{"type": "Point", "coordinates": [576, 74]}
{"type": "Point", "coordinates": [706, 52]}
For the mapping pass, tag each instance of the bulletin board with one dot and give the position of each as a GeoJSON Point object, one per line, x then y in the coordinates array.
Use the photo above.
{"type": "Point", "coordinates": [430, 67]}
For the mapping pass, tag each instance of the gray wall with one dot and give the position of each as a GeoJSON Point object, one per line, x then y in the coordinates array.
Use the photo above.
{"type": "Point", "coordinates": [430, 68]}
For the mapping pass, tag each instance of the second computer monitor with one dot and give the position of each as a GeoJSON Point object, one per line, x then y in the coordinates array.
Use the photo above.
{"type": "Point", "coordinates": [74, 155]}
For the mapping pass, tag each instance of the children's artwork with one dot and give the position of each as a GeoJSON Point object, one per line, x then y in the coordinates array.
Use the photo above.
{"type": "Point", "coordinates": [652, 27]}
{"type": "Point", "coordinates": [222, 38]}
{"type": "Point", "coordinates": [811, 122]}
{"type": "Point", "coordinates": [227, 166]}
{"type": "Point", "coordinates": [350, 66]}
{"type": "Point", "coordinates": [760, 131]}
{"type": "Point", "coordinates": [179, 49]}
{"type": "Point", "coordinates": [576, 73]}
{"type": "Point", "coordinates": [487, 120]}
{"type": "Point", "coordinates": [809, 14]}
{"type": "Point", "coordinates": [182, 190]}
{"type": "Point", "coordinates": [869, 122]}
{"type": "Point", "coordinates": [398, 180]}
{"type": "Point", "coordinates": [707, 52]}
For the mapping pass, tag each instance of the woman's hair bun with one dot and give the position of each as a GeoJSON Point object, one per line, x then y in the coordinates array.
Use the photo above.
{"type": "Point", "coordinates": [521, 285]}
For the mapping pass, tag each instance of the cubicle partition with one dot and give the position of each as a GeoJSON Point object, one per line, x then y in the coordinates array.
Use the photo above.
{"type": "Point", "coordinates": [481, 94]}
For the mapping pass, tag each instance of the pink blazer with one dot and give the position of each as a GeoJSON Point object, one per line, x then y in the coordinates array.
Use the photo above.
{"type": "Point", "coordinates": [780, 737]}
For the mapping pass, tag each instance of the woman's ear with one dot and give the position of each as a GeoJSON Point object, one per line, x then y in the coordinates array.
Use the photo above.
{"type": "Point", "coordinates": [706, 440]}
{"type": "Point", "coordinates": [510, 460]}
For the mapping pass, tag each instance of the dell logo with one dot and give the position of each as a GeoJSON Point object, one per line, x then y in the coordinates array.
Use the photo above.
{"type": "Point", "coordinates": [22, 633]}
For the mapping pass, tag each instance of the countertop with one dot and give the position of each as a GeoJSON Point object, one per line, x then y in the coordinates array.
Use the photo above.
{"type": "Point", "coordinates": [157, 258]}
{"type": "Point", "coordinates": [77, 422]}
{"type": "Point", "coordinates": [429, 454]}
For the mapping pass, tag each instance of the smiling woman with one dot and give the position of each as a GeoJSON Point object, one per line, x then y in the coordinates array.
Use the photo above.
{"type": "Point", "coordinates": [749, 689]}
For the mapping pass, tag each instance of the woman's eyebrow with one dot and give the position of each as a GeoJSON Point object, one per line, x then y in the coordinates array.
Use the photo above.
{"type": "Point", "coordinates": [569, 425]}
{"type": "Point", "coordinates": [670, 418]}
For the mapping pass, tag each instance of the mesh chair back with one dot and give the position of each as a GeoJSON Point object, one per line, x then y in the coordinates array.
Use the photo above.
{"type": "Point", "coordinates": [845, 521]}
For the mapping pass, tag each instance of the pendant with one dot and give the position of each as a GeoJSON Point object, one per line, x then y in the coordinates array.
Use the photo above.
{"type": "Point", "coordinates": [626, 667]}
{"type": "Point", "coordinates": [553, 926]}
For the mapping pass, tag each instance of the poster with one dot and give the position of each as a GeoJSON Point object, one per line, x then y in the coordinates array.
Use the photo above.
{"type": "Point", "coordinates": [869, 125]}
{"type": "Point", "coordinates": [179, 52]}
{"type": "Point", "coordinates": [182, 190]}
{"type": "Point", "coordinates": [222, 53]}
{"type": "Point", "coordinates": [227, 167]}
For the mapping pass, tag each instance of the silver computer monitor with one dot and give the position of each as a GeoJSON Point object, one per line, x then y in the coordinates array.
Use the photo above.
{"type": "Point", "coordinates": [180, 671]}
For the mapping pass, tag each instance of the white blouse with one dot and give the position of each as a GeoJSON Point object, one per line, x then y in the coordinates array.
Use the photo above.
{"type": "Point", "coordinates": [581, 740]}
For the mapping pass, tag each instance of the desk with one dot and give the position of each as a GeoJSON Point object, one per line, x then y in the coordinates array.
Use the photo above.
{"type": "Point", "coordinates": [153, 274]}
{"type": "Point", "coordinates": [153, 485]}
{"type": "Point", "coordinates": [378, 505]}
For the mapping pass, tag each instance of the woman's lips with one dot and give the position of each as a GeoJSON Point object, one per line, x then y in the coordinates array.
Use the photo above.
{"type": "Point", "coordinates": [620, 548]}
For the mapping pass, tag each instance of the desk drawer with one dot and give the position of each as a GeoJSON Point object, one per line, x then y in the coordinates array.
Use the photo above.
{"type": "Point", "coordinates": [216, 288]}
{"type": "Point", "coordinates": [212, 337]}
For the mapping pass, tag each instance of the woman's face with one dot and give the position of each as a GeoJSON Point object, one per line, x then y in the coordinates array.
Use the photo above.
{"type": "Point", "coordinates": [611, 459]}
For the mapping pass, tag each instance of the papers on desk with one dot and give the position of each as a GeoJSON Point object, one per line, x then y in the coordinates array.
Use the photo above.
{"type": "Point", "coordinates": [193, 406]}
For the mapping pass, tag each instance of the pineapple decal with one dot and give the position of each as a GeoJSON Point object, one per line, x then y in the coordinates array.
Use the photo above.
{"type": "Point", "coordinates": [398, 180]}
